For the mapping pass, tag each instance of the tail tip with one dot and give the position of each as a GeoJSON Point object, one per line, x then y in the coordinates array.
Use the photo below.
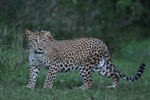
{"type": "Point", "coordinates": [143, 65]}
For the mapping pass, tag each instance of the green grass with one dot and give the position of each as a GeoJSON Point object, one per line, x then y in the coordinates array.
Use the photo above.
{"type": "Point", "coordinates": [14, 76]}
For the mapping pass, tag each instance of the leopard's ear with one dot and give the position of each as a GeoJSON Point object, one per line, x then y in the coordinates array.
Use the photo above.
{"type": "Point", "coordinates": [28, 33]}
{"type": "Point", "coordinates": [47, 34]}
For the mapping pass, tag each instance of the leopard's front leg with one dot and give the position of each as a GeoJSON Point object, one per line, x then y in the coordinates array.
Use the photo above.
{"type": "Point", "coordinates": [34, 70]}
{"type": "Point", "coordinates": [51, 76]}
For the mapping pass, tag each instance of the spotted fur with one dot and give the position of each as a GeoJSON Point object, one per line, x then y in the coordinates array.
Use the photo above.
{"type": "Point", "coordinates": [86, 55]}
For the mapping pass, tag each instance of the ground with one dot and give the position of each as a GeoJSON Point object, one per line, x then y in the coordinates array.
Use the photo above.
{"type": "Point", "coordinates": [12, 84]}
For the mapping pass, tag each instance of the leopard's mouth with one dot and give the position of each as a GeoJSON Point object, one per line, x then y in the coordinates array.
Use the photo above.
{"type": "Point", "coordinates": [39, 52]}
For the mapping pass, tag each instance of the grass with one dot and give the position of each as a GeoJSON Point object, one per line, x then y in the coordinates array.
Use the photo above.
{"type": "Point", "coordinates": [14, 70]}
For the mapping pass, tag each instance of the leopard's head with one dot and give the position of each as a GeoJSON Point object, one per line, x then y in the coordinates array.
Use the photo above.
{"type": "Point", "coordinates": [38, 40]}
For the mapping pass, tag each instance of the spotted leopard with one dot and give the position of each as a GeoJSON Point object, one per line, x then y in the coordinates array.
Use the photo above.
{"type": "Point", "coordinates": [86, 55]}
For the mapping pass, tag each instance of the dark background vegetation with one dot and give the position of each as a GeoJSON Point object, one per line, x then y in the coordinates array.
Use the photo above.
{"type": "Point", "coordinates": [117, 22]}
{"type": "Point", "coordinates": [113, 21]}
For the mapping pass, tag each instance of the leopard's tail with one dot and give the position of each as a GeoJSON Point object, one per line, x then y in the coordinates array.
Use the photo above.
{"type": "Point", "coordinates": [136, 77]}
{"type": "Point", "coordinates": [121, 75]}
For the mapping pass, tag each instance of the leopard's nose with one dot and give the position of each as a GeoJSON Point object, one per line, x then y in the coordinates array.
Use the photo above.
{"type": "Point", "coordinates": [39, 51]}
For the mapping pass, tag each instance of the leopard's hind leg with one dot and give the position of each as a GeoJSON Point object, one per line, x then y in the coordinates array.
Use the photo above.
{"type": "Point", "coordinates": [106, 68]}
{"type": "Point", "coordinates": [115, 81]}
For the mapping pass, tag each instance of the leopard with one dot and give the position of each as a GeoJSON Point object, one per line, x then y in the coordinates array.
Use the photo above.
{"type": "Point", "coordinates": [85, 55]}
